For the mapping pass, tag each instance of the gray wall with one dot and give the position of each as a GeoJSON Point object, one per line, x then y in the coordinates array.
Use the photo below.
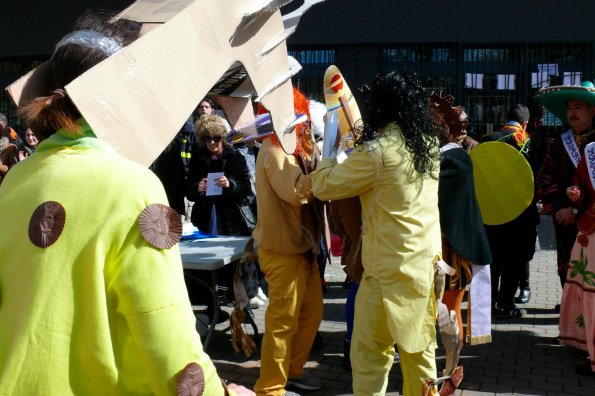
{"type": "Point", "coordinates": [386, 21]}
{"type": "Point", "coordinates": [32, 27]}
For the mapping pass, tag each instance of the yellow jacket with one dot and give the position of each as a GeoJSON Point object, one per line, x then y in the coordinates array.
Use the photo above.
{"type": "Point", "coordinates": [100, 311]}
{"type": "Point", "coordinates": [401, 229]}
{"type": "Point", "coordinates": [282, 191]}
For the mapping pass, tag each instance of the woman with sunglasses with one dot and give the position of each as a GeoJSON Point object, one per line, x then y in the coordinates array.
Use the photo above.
{"type": "Point", "coordinates": [218, 214]}
{"type": "Point", "coordinates": [229, 212]}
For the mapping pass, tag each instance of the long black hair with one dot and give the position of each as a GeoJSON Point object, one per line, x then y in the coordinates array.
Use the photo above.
{"type": "Point", "coordinates": [399, 96]}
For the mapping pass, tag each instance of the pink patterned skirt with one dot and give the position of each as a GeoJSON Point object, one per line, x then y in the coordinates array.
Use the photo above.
{"type": "Point", "coordinates": [577, 311]}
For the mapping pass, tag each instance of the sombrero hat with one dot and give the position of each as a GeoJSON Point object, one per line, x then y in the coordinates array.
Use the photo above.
{"type": "Point", "coordinates": [556, 97]}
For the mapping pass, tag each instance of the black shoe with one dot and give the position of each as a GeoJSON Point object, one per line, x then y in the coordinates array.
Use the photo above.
{"type": "Point", "coordinates": [524, 296]}
{"type": "Point", "coordinates": [509, 313]}
{"type": "Point", "coordinates": [318, 342]}
{"type": "Point", "coordinates": [347, 283]}
{"type": "Point", "coordinates": [346, 356]}
{"type": "Point", "coordinates": [584, 369]}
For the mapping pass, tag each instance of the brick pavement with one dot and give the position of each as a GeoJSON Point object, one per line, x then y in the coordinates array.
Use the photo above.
{"type": "Point", "coordinates": [520, 360]}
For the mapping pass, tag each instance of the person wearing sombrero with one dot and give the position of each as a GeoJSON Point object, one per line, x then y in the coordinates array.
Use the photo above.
{"type": "Point", "coordinates": [575, 106]}
{"type": "Point", "coordinates": [577, 310]}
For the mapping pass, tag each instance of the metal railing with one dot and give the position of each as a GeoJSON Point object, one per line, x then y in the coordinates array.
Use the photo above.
{"type": "Point", "coordinates": [485, 78]}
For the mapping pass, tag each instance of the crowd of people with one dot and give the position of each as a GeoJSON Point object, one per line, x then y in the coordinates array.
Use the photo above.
{"type": "Point", "coordinates": [93, 298]}
{"type": "Point", "coordinates": [13, 149]}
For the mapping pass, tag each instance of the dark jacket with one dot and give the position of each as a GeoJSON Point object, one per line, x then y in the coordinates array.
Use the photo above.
{"type": "Point", "coordinates": [169, 168]}
{"type": "Point", "coordinates": [460, 218]}
{"type": "Point", "coordinates": [233, 200]}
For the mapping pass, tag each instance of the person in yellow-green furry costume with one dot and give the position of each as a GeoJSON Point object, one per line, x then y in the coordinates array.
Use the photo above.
{"type": "Point", "coordinates": [92, 293]}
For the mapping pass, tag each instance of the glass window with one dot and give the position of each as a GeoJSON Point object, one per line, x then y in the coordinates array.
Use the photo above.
{"type": "Point", "coordinates": [487, 113]}
{"type": "Point", "coordinates": [486, 55]}
{"type": "Point", "coordinates": [317, 56]}
{"type": "Point", "coordinates": [442, 55]}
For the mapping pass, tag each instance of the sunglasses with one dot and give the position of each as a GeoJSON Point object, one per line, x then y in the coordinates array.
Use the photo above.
{"type": "Point", "coordinates": [214, 139]}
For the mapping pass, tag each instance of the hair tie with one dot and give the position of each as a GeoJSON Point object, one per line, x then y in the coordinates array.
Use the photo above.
{"type": "Point", "coordinates": [51, 97]}
{"type": "Point", "coordinates": [59, 92]}
{"type": "Point", "coordinates": [94, 40]}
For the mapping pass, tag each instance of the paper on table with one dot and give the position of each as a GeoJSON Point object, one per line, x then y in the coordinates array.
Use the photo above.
{"type": "Point", "coordinates": [212, 189]}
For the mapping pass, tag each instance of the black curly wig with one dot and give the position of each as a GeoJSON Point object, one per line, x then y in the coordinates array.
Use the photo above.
{"type": "Point", "coordinates": [399, 96]}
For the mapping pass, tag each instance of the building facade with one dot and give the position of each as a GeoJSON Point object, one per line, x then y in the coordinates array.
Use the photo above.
{"type": "Point", "coordinates": [485, 78]}
{"type": "Point", "coordinates": [489, 55]}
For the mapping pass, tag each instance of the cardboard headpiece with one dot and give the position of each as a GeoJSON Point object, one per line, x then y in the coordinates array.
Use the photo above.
{"type": "Point", "coordinates": [137, 102]}
{"type": "Point", "coordinates": [259, 128]}
{"type": "Point", "coordinates": [556, 97]}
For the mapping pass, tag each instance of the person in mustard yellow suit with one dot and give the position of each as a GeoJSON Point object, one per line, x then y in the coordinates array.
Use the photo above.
{"type": "Point", "coordinates": [396, 178]}
{"type": "Point", "coordinates": [92, 294]}
{"type": "Point", "coordinates": [288, 238]}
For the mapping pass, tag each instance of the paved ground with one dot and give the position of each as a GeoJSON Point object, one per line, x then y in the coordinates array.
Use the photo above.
{"type": "Point", "coordinates": [520, 360]}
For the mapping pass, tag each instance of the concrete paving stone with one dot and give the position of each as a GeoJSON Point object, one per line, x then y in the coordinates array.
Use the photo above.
{"type": "Point", "coordinates": [528, 391]}
{"type": "Point", "coordinates": [586, 381]}
{"type": "Point", "coordinates": [528, 375]}
{"type": "Point", "coordinates": [535, 362]}
{"type": "Point", "coordinates": [471, 370]}
{"type": "Point", "coordinates": [548, 386]}
{"type": "Point", "coordinates": [487, 378]}
{"type": "Point", "coordinates": [522, 368]}
{"type": "Point", "coordinates": [338, 368]}
{"type": "Point", "coordinates": [556, 366]}
{"type": "Point", "coordinates": [489, 365]}
{"type": "Point", "coordinates": [505, 362]}
{"type": "Point", "coordinates": [586, 390]}
{"type": "Point", "coordinates": [566, 380]}
{"type": "Point", "coordinates": [471, 388]}
{"type": "Point", "coordinates": [517, 383]}
{"type": "Point", "coordinates": [496, 388]}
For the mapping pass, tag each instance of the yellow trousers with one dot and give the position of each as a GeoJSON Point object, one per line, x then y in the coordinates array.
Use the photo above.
{"type": "Point", "coordinates": [295, 307]}
{"type": "Point", "coordinates": [372, 348]}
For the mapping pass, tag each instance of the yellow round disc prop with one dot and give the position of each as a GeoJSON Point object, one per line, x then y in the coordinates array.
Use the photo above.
{"type": "Point", "coordinates": [503, 182]}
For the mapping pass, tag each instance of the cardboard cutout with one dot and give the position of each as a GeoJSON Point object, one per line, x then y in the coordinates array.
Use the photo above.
{"type": "Point", "coordinates": [138, 98]}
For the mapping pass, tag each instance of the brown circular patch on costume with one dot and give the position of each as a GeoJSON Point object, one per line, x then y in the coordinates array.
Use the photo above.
{"type": "Point", "coordinates": [160, 225]}
{"type": "Point", "coordinates": [191, 381]}
{"type": "Point", "coordinates": [46, 224]}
